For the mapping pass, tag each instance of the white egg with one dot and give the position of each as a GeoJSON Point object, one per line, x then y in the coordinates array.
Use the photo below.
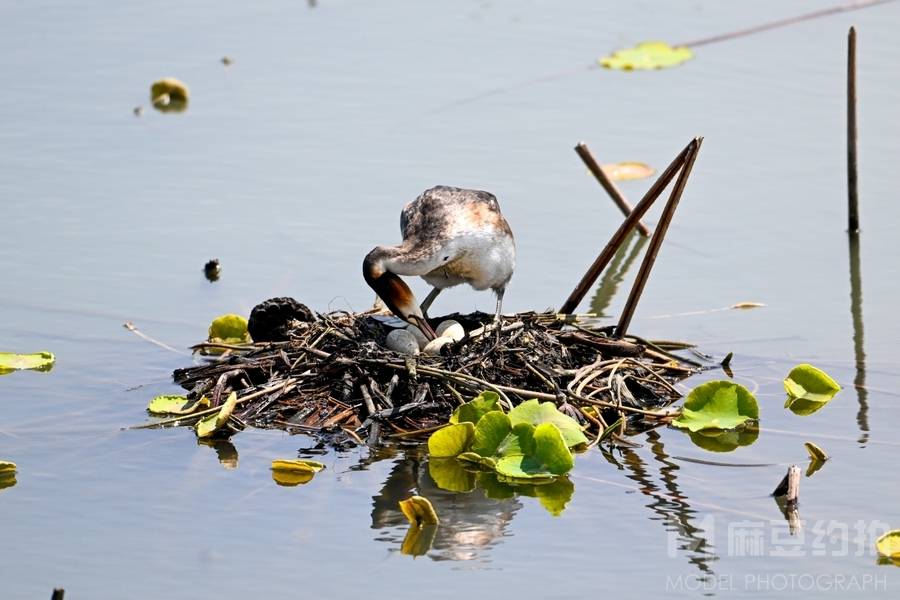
{"type": "Point", "coordinates": [402, 341]}
{"type": "Point", "coordinates": [433, 348]}
{"type": "Point", "coordinates": [451, 329]}
{"type": "Point", "coordinates": [417, 333]}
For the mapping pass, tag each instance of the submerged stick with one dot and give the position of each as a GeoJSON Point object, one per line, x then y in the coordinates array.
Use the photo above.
{"type": "Point", "coordinates": [617, 196]}
{"type": "Point", "coordinates": [658, 236]}
{"type": "Point", "coordinates": [852, 197]}
{"type": "Point", "coordinates": [789, 488]}
{"type": "Point", "coordinates": [619, 237]}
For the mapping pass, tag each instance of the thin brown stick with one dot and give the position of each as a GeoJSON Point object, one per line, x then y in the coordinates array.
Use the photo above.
{"type": "Point", "coordinates": [131, 327]}
{"type": "Point", "coordinates": [621, 234]}
{"type": "Point", "coordinates": [852, 194]}
{"type": "Point", "coordinates": [849, 6]}
{"type": "Point", "coordinates": [656, 241]}
{"type": "Point", "coordinates": [614, 192]}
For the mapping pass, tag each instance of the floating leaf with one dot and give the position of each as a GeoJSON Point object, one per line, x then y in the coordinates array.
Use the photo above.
{"type": "Point", "coordinates": [888, 545]}
{"type": "Point", "coordinates": [719, 440]}
{"type": "Point", "coordinates": [817, 458]}
{"type": "Point", "coordinates": [225, 451]}
{"type": "Point", "coordinates": [647, 55]}
{"type": "Point", "coordinates": [211, 424]}
{"type": "Point", "coordinates": [419, 511]}
{"type": "Point", "coordinates": [717, 405]}
{"type": "Point", "coordinates": [535, 413]}
{"type": "Point", "coordinates": [169, 95]}
{"type": "Point", "coordinates": [451, 440]}
{"type": "Point", "coordinates": [626, 171]}
{"type": "Point", "coordinates": [491, 431]}
{"type": "Point", "coordinates": [229, 329]}
{"type": "Point", "coordinates": [291, 472]}
{"type": "Point", "coordinates": [448, 474]}
{"type": "Point", "coordinates": [806, 382]}
{"type": "Point", "coordinates": [38, 361]}
{"type": "Point", "coordinates": [176, 405]}
{"type": "Point", "coordinates": [815, 452]}
{"type": "Point", "coordinates": [296, 464]}
{"type": "Point", "coordinates": [7, 474]}
{"type": "Point", "coordinates": [551, 457]}
{"type": "Point", "coordinates": [476, 408]}
{"type": "Point", "coordinates": [746, 305]}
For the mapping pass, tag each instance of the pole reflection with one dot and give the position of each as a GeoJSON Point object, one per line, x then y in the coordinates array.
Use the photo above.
{"type": "Point", "coordinates": [859, 381]}
{"type": "Point", "coordinates": [615, 273]}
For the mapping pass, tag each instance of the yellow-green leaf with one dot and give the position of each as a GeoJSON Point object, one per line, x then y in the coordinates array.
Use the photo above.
{"type": "Point", "coordinates": [229, 329]}
{"type": "Point", "coordinates": [38, 361]}
{"type": "Point", "coordinates": [476, 408]}
{"type": "Point", "coordinates": [176, 405]}
{"type": "Point", "coordinates": [448, 474]}
{"type": "Point", "coordinates": [291, 472]}
{"type": "Point", "coordinates": [297, 464]}
{"type": "Point", "coordinates": [806, 382]}
{"type": "Point", "coordinates": [451, 440]}
{"type": "Point", "coordinates": [647, 55]}
{"type": "Point", "coordinates": [888, 545]}
{"type": "Point", "coordinates": [815, 452]}
{"type": "Point", "coordinates": [7, 467]}
{"type": "Point", "coordinates": [628, 170]}
{"type": "Point", "coordinates": [212, 423]}
{"type": "Point", "coordinates": [419, 511]}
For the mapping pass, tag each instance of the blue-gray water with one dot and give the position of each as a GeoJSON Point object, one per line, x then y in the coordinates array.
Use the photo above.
{"type": "Point", "coordinates": [291, 163]}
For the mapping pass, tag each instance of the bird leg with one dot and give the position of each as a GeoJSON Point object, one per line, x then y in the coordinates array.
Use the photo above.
{"type": "Point", "coordinates": [426, 303]}
{"type": "Point", "coordinates": [498, 323]}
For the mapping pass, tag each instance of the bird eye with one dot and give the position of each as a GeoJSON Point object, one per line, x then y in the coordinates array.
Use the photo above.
{"type": "Point", "coordinates": [446, 258]}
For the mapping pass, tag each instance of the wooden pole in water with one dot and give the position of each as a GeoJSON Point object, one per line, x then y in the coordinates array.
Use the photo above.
{"type": "Point", "coordinates": [621, 234]}
{"type": "Point", "coordinates": [658, 236]}
{"type": "Point", "coordinates": [853, 212]}
{"type": "Point", "coordinates": [58, 594]}
{"type": "Point", "coordinates": [617, 196]}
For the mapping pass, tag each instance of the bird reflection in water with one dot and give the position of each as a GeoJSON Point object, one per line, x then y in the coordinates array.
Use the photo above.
{"type": "Point", "coordinates": [472, 523]}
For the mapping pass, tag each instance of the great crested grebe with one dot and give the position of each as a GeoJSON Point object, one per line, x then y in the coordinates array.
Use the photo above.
{"type": "Point", "coordinates": [450, 236]}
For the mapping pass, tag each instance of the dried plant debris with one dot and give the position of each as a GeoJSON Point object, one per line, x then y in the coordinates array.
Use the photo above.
{"type": "Point", "coordinates": [335, 377]}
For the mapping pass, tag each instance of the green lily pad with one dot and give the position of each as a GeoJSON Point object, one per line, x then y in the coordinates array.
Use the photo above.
{"type": "Point", "coordinates": [477, 460]}
{"type": "Point", "coordinates": [491, 431]}
{"type": "Point", "coordinates": [536, 413]}
{"type": "Point", "coordinates": [38, 361]}
{"type": "Point", "coordinates": [551, 457]}
{"type": "Point", "coordinates": [803, 407]}
{"type": "Point", "coordinates": [717, 405]}
{"type": "Point", "coordinates": [449, 474]}
{"type": "Point", "coordinates": [647, 55]}
{"type": "Point", "coordinates": [806, 382]}
{"type": "Point", "coordinates": [554, 497]}
{"type": "Point", "coordinates": [727, 440]}
{"type": "Point", "coordinates": [476, 408]}
{"type": "Point", "coordinates": [7, 467]}
{"type": "Point", "coordinates": [229, 329]}
{"type": "Point", "coordinates": [451, 440]}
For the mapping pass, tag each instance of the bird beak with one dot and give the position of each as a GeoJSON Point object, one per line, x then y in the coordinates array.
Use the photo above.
{"type": "Point", "coordinates": [401, 300]}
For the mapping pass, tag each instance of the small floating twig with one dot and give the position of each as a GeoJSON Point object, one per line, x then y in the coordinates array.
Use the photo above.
{"type": "Point", "coordinates": [131, 327]}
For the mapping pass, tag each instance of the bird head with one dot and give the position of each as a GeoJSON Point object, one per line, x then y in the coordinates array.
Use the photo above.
{"type": "Point", "coordinates": [394, 292]}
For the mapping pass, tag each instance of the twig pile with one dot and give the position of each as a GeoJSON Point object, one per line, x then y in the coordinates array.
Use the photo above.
{"type": "Point", "coordinates": [336, 378]}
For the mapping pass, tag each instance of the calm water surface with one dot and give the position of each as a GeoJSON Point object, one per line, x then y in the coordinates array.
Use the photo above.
{"type": "Point", "coordinates": [294, 161]}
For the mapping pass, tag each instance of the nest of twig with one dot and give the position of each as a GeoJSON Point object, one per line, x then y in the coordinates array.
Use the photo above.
{"type": "Point", "coordinates": [335, 378]}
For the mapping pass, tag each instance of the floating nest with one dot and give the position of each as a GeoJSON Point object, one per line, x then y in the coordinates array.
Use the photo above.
{"type": "Point", "coordinates": [331, 375]}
